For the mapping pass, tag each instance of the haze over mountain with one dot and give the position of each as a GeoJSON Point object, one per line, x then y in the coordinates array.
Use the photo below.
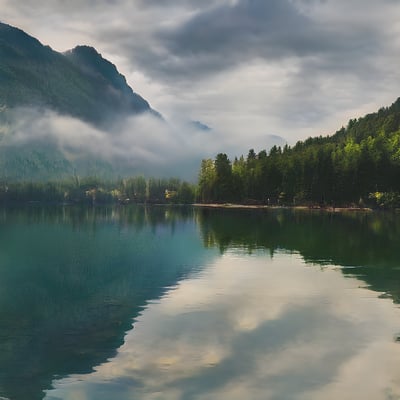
{"type": "Point", "coordinates": [73, 113]}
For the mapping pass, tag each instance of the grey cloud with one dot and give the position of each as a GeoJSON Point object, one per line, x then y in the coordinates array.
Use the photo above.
{"type": "Point", "coordinates": [179, 39]}
{"type": "Point", "coordinates": [334, 56]}
{"type": "Point", "coordinates": [231, 34]}
{"type": "Point", "coordinates": [62, 6]}
{"type": "Point", "coordinates": [190, 4]}
{"type": "Point", "coordinates": [229, 27]}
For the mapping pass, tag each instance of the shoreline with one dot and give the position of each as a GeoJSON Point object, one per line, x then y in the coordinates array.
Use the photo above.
{"type": "Point", "coordinates": [222, 206]}
{"type": "Point", "coordinates": [266, 207]}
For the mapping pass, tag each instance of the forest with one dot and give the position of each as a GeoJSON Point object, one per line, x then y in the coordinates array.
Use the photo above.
{"type": "Point", "coordinates": [359, 165]}
{"type": "Point", "coordinates": [92, 191]}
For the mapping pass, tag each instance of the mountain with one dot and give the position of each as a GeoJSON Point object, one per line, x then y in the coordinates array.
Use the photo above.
{"type": "Point", "coordinates": [80, 82]}
{"type": "Point", "coordinates": [198, 125]}
{"type": "Point", "coordinates": [46, 97]}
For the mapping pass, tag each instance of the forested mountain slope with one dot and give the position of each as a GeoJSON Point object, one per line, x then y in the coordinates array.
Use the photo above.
{"type": "Point", "coordinates": [79, 82]}
{"type": "Point", "coordinates": [359, 163]}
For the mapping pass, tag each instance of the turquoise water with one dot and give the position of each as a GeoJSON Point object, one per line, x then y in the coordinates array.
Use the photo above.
{"type": "Point", "coordinates": [168, 303]}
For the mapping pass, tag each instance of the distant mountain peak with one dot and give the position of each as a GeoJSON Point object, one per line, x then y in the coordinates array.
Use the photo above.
{"type": "Point", "coordinates": [84, 48]}
{"type": "Point", "coordinates": [200, 126]}
{"type": "Point", "coordinates": [87, 53]}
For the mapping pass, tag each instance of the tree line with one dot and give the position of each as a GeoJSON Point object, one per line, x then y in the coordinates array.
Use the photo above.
{"type": "Point", "coordinates": [92, 190]}
{"type": "Point", "coordinates": [358, 165]}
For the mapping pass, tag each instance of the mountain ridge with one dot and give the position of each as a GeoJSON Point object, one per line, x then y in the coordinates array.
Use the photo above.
{"type": "Point", "coordinates": [79, 82]}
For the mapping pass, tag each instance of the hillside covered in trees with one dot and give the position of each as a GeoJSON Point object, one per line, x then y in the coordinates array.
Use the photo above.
{"type": "Point", "coordinates": [359, 164]}
{"type": "Point", "coordinates": [80, 82]}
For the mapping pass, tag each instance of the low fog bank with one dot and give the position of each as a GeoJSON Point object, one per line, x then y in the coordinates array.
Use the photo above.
{"type": "Point", "coordinates": [143, 144]}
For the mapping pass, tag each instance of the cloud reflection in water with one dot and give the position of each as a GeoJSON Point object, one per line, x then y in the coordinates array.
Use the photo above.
{"type": "Point", "coordinates": [254, 327]}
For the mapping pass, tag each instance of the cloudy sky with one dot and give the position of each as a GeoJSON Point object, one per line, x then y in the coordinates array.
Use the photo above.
{"type": "Point", "coordinates": [247, 68]}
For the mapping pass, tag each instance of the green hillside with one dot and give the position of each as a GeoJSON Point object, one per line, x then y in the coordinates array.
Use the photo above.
{"type": "Point", "coordinates": [80, 82]}
{"type": "Point", "coordinates": [359, 164]}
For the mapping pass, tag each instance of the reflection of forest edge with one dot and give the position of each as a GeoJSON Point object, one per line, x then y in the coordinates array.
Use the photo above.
{"type": "Point", "coordinates": [367, 242]}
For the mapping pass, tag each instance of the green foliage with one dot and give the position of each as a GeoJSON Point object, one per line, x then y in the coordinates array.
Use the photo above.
{"type": "Point", "coordinates": [385, 200]}
{"type": "Point", "coordinates": [135, 188]}
{"type": "Point", "coordinates": [341, 169]}
{"type": "Point", "coordinates": [207, 179]}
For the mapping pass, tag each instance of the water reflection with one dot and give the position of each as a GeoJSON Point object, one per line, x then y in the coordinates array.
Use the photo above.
{"type": "Point", "coordinates": [366, 242]}
{"type": "Point", "coordinates": [221, 303]}
{"type": "Point", "coordinates": [72, 279]}
{"type": "Point", "coordinates": [259, 329]}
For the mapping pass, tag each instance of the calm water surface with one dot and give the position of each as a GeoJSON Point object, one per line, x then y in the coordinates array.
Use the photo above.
{"type": "Point", "coordinates": [175, 304]}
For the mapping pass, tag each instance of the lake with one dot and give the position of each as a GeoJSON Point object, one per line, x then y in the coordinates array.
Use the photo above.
{"type": "Point", "coordinates": [180, 304]}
